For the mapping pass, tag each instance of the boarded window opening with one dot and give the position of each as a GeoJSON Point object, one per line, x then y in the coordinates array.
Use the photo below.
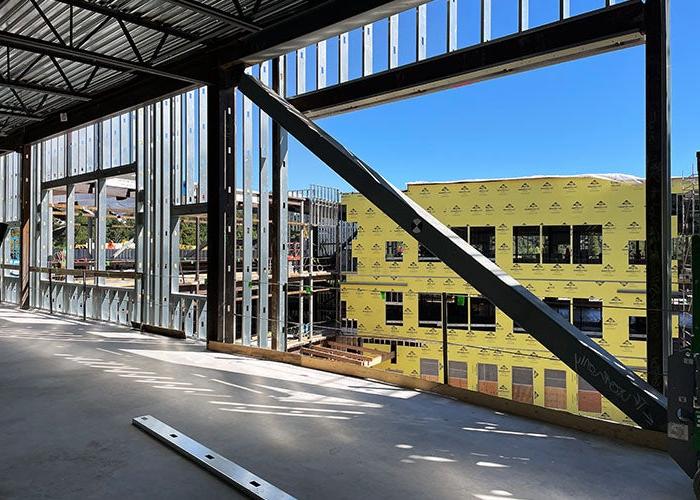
{"type": "Point", "coordinates": [555, 389]}
{"type": "Point", "coordinates": [589, 399]}
{"type": "Point", "coordinates": [522, 385]}
{"type": "Point", "coordinates": [488, 379]}
{"type": "Point", "coordinates": [457, 374]}
{"type": "Point", "coordinates": [429, 369]}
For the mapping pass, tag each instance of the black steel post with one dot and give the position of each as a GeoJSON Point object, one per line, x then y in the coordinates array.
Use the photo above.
{"type": "Point", "coordinates": [445, 357]}
{"type": "Point", "coordinates": [658, 193]}
{"type": "Point", "coordinates": [221, 226]}
{"type": "Point", "coordinates": [215, 237]}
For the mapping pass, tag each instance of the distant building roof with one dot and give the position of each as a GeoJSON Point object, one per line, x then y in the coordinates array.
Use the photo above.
{"type": "Point", "coordinates": [632, 179]}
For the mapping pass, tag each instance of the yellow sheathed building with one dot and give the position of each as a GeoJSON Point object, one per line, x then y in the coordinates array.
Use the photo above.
{"type": "Point", "coordinates": [577, 242]}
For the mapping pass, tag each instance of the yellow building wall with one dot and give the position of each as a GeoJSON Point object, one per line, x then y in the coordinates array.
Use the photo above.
{"type": "Point", "coordinates": [616, 203]}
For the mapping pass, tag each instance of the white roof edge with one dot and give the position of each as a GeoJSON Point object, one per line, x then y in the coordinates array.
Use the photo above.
{"type": "Point", "coordinates": [610, 177]}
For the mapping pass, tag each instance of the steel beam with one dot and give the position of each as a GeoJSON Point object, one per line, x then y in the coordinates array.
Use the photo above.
{"type": "Point", "coordinates": [37, 46]}
{"type": "Point", "coordinates": [641, 402]}
{"type": "Point", "coordinates": [129, 17]}
{"type": "Point", "coordinates": [214, 13]}
{"type": "Point", "coordinates": [585, 35]}
{"type": "Point", "coordinates": [320, 22]}
{"type": "Point", "coordinates": [44, 89]}
{"type": "Point", "coordinates": [10, 113]}
{"type": "Point", "coordinates": [658, 193]}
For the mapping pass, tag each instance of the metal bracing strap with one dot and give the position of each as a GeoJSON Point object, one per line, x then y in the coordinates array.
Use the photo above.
{"type": "Point", "coordinates": [603, 371]}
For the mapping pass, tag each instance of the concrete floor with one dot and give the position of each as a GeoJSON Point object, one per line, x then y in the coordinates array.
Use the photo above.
{"type": "Point", "coordinates": [68, 392]}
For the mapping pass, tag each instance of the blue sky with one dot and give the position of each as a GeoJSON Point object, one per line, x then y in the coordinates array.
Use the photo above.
{"type": "Point", "coordinates": [584, 116]}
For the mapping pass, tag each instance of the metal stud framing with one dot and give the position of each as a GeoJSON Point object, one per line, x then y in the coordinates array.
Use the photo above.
{"type": "Point", "coordinates": [421, 32]}
{"type": "Point", "coordinates": [278, 305]}
{"type": "Point", "coordinates": [263, 216]}
{"type": "Point", "coordinates": [247, 228]}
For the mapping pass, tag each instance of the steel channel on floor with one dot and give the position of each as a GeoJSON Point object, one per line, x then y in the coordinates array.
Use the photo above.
{"type": "Point", "coordinates": [245, 481]}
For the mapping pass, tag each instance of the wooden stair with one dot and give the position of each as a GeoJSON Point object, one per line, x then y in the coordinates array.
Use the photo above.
{"type": "Point", "coordinates": [338, 351]}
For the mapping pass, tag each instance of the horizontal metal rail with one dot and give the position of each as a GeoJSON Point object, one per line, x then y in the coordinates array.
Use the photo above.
{"type": "Point", "coordinates": [97, 174]}
{"type": "Point", "coordinates": [610, 377]}
{"type": "Point", "coordinates": [88, 273]}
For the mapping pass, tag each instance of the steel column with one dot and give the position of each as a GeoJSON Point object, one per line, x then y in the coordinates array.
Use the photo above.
{"type": "Point", "coordinates": [619, 384]}
{"type": "Point", "coordinates": [658, 193]}
{"type": "Point", "coordinates": [221, 223]}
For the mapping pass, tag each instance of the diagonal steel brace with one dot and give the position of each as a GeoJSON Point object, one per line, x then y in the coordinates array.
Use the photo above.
{"type": "Point", "coordinates": [610, 377]}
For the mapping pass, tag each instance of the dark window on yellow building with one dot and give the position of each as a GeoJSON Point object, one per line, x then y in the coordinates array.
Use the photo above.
{"type": "Point", "coordinates": [457, 374]}
{"type": "Point", "coordinates": [488, 379]}
{"type": "Point", "coordinates": [424, 254]}
{"type": "Point", "coordinates": [429, 309]}
{"type": "Point", "coordinates": [522, 389]}
{"type": "Point", "coordinates": [429, 369]}
{"type": "Point", "coordinates": [457, 312]}
{"type": "Point", "coordinates": [517, 328]}
{"type": "Point", "coordinates": [394, 251]}
{"type": "Point", "coordinates": [561, 306]}
{"type": "Point", "coordinates": [555, 389]}
{"type": "Point", "coordinates": [588, 317]}
{"type": "Point", "coordinates": [394, 308]}
{"type": "Point", "coordinates": [637, 252]}
{"type": "Point", "coordinates": [589, 399]}
{"type": "Point", "coordinates": [556, 244]}
{"type": "Point", "coordinates": [638, 328]}
{"type": "Point", "coordinates": [483, 314]}
{"type": "Point", "coordinates": [526, 244]}
{"type": "Point", "coordinates": [484, 240]}
{"type": "Point", "coordinates": [462, 232]}
{"type": "Point", "coordinates": [392, 350]}
{"type": "Point", "coordinates": [588, 244]}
